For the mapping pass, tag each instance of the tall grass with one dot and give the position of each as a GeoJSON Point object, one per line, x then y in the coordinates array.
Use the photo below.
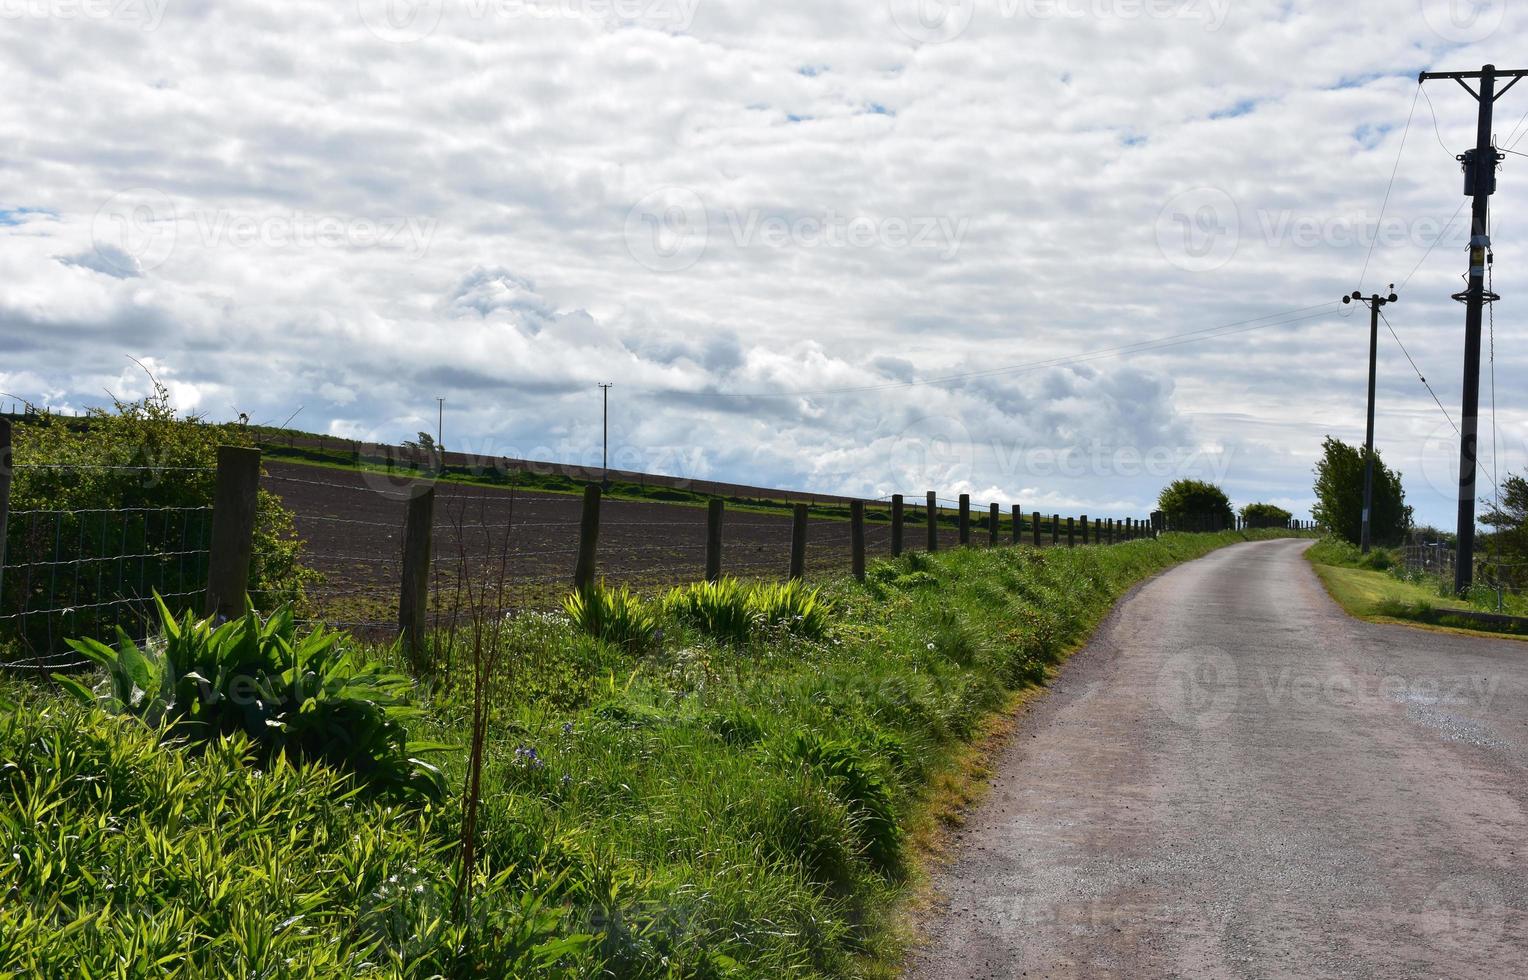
{"type": "Point", "coordinates": [686, 811]}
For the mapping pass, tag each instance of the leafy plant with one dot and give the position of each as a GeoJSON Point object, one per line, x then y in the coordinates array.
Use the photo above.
{"type": "Point", "coordinates": [793, 605]}
{"type": "Point", "coordinates": [1340, 495]}
{"type": "Point", "coordinates": [308, 699]}
{"type": "Point", "coordinates": [862, 788]}
{"type": "Point", "coordinates": [1266, 515]}
{"type": "Point", "coordinates": [1196, 505]}
{"type": "Point", "coordinates": [616, 616]}
{"type": "Point", "coordinates": [720, 608]}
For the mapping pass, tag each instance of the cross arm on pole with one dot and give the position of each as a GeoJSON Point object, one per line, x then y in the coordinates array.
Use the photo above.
{"type": "Point", "coordinates": [1516, 74]}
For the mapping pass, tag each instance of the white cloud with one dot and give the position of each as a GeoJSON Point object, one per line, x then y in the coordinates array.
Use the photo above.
{"type": "Point", "coordinates": [284, 209]}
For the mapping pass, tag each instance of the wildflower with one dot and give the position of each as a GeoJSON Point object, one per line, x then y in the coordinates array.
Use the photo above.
{"type": "Point", "coordinates": [528, 757]}
{"type": "Point", "coordinates": [567, 728]}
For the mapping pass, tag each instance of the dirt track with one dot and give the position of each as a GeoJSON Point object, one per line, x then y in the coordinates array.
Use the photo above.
{"type": "Point", "coordinates": [1234, 779]}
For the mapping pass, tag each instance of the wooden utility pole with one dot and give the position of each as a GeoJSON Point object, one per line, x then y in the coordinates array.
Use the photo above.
{"type": "Point", "coordinates": [1479, 184]}
{"type": "Point", "coordinates": [1375, 304]}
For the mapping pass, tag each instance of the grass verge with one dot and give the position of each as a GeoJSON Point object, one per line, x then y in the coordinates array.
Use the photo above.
{"type": "Point", "coordinates": [1379, 594]}
{"type": "Point", "coordinates": [750, 807]}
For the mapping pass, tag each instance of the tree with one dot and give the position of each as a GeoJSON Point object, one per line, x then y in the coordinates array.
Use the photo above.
{"type": "Point", "coordinates": [1508, 541]}
{"type": "Point", "coordinates": [1266, 515]}
{"type": "Point", "coordinates": [1340, 496]}
{"type": "Point", "coordinates": [1196, 505]}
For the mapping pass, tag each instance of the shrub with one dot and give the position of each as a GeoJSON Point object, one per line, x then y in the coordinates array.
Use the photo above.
{"type": "Point", "coordinates": [719, 608]}
{"type": "Point", "coordinates": [312, 699]}
{"type": "Point", "coordinates": [1266, 515]}
{"type": "Point", "coordinates": [791, 604]}
{"type": "Point", "coordinates": [1196, 504]}
{"type": "Point", "coordinates": [615, 616]}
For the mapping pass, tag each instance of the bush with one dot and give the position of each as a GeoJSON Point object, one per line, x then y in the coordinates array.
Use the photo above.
{"type": "Point", "coordinates": [307, 700]}
{"type": "Point", "coordinates": [1196, 505]}
{"type": "Point", "coordinates": [799, 609]}
{"type": "Point", "coordinates": [719, 608]}
{"type": "Point", "coordinates": [131, 480]}
{"type": "Point", "coordinates": [615, 616]}
{"type": "Point", "coordinates": [860, 786]}
{"type": "Point", "coordinates": [1265, 515]}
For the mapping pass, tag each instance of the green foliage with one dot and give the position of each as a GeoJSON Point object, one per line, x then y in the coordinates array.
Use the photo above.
{"type": "Point", "coordinates": [93, 471]}
{"type": "Point", "coordinates": [689, 814]}
{"type": "Point", "coordinates": [123, 859]}
{"type": "Point", "coordinates": [306, 699]}
{"type": "Point", "coordinates": [1196, 504]}
{"type": "Point", "coordinates": [1265, 515]}
{"type": "Point", "coordinates": [792, 605]}
{"type": "Point", "coordinates": [722, 609]}
{"type": "Point", "coordinates": [1340, 495]}
{"type": "Point", "coordinates": [616, 616]}
{"type": "Point", "coordinates": [859, 784]}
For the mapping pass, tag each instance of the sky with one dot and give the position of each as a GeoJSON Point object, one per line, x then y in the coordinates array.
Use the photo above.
{"type": "Point", "coordinates": [1054, 253]}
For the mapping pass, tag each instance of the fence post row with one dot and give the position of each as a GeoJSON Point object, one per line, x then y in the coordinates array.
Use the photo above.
{"type": "Point", "coordinates": [898, 516]}
{"type": "Point", "coordinates": [933, 521]}
{"type": "Point", "coordinates": [588, 539]}
{"type": "Point", "coordinates": [414, 600]}
{"type": "Point", "coordinates": [233, 530]}
{"type": "Point", "coordinates": [798, 542]}
{"type": "Point", "coordinates": [965, 520]}
{"type": "Point", "coordinates": [5, 489]}
{"type": "Point", "coordinates": [714, 514]}
{"type": "Point", "coordinates": [857, 538]}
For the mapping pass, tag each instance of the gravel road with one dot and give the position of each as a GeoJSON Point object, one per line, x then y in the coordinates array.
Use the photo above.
{"type": "Point", "coordinates": [1234, 779]}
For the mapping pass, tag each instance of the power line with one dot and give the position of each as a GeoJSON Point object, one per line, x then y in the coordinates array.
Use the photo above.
{"type": "Point", "coordinates": [1391, 186]}
{"type": "Point", "coordinates": [1284, 318]}
{"type": "Point", "coordinates": [1436, 131]}
{"type": "Point", "coordinates": [1414, 367]}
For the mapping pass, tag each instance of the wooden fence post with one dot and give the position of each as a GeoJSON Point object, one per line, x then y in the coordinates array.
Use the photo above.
{"type": "Point", "coordinates": [857, 538]}
{"type": "Point", "coordinates": [1055, 529]}
{"type": "Point", "coordinates": [414, 599]}
{"type": "Point", "coordinates": [715, 511]}
{"type": "Point", "coordinates": [1111, 530]}
{"type": "Point", "coordinates": [798, 542]}
{"type": "Point", "coordinates": [997, 518]}
{"type": "Point", "coordinates": [898, 520]}
{"type": "Point", "coordinates": [1084, 524]}
{"type": "Point", "coordinates": [1071, 533]}
{"type": "Point", "coordinates": [933, 521]}
{"type": "Point", "coordinates": [233, 530]}
{"type": "Point", "coordinates": [5, 488]}
{"type": "Point", "coordinates": [965, 520]}
{"type": "Point", "coordinates": [588, 539]}
{"type": "Point", "coordinates": [1018, 525]}
{"type": "Point", "coordinates": [1036, 529]}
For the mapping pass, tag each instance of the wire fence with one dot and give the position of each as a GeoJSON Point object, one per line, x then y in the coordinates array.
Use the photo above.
{"type": "Point", "coordinates": [87, 571]}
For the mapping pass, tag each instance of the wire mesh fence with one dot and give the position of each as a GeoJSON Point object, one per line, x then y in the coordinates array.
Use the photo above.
{"type": "Point", "coordinates": [86, 572]}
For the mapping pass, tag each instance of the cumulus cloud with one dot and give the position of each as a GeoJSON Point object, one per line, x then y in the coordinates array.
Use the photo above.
{"type": "Point", "coordinates": [767, 226]}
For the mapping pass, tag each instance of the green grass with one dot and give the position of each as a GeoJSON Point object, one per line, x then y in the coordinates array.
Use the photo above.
{"type": "Point", "coordinates": [1376, 588]}
{"type": "Point", "coordinates": [715, 807]}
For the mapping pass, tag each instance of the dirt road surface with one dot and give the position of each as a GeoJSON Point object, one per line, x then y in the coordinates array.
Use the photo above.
{"type": "Point", "coordinates": [1234, 779]}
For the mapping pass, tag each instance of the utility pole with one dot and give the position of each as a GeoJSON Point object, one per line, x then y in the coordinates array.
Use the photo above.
{"type": "Point", "coordinates": [1375, 302]}
{"type": "Point", "coordinates": [1479, 183]}
{"type": "Point", "coordinates": [605, 459]}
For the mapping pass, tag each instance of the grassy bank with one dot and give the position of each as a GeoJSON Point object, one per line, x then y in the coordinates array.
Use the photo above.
{"type": "Point", "coordinates": [658, 803]}
{"type": "Point", "coordinates": [1376, 589]}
